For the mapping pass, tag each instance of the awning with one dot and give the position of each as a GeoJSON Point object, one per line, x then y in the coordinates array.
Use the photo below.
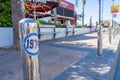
{"type": "Point", "coordinates": [41, 7]}
{"type": "Point", "coordinates": [38, 15]}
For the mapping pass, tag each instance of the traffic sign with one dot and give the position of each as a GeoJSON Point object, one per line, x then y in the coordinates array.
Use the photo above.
{"type": "Point", "coordinates": [30, 43]}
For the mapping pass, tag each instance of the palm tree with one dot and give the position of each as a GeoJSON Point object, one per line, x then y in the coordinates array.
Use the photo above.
{"type": "Point", "coordinates": [17, 15]}
{"type": "Point", "coordinates": [83, 4]}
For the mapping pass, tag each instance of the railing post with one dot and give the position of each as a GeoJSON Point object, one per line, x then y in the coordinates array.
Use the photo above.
{"type": "Point", "coordinates": [54, 33]}
{"type": "Point", "coordinates": [73, 31]}
{"type": "Point", "coordinates": [39, 32]}
{"type": "Point", "coordinates": [66, 31]}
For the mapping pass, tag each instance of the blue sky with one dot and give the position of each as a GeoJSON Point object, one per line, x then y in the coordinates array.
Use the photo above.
{"type": "Point", "coordinates": [91, 9]}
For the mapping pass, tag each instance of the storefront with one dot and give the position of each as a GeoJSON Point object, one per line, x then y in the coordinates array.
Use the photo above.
{"type": "Point", "coordinates": [54, 11]}
{"type": "Point", "coordinates": [64, 13]}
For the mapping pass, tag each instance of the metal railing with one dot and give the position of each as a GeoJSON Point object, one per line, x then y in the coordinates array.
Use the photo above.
{"type": "Point", "coordinates": [54, 32]}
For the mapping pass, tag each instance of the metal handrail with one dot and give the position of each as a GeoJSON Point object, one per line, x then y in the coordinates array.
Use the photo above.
{"type": "Point", "coordinates": [54, 32]}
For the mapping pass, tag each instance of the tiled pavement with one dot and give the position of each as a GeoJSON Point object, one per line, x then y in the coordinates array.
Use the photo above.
{"type": "Point", "coordinates": [71, 58]}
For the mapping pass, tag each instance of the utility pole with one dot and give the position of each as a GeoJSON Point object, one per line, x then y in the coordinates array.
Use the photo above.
{"type": "Point", "coordinates": [100, 39]}
{"type": "Point", "coordinates": [83, 5]}
{"type": "Point", "coordinates": [17, 7]}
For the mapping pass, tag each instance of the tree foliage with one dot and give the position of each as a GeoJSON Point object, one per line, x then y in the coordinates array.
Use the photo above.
{"type": "Point", "coordinates": [5, 13]}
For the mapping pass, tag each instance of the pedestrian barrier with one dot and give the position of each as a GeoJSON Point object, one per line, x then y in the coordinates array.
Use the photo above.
{"type": "Point", "coordinates": [52, 32]}
{"type": "Point", "coordinates": [46, 34]}
{"type": "Point", "coordinates": [69, 30]}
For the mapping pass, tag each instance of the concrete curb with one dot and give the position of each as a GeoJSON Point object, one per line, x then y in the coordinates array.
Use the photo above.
{"type": "Point", "coordinates": [112, 71]}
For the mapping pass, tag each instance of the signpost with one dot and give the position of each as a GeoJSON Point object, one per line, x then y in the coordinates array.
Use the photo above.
{"type": "Point", "coordinates": [28, 33]}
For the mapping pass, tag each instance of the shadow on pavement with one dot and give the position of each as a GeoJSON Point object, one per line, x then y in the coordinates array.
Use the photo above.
{"type": "Point", "coordinates": [92, 67]}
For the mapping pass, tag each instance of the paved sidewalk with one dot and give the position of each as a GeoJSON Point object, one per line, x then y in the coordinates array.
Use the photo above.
{"type": "Point", "coordinates": [71, 58]}
{"type": "Point", "coordinates": [92, 67]}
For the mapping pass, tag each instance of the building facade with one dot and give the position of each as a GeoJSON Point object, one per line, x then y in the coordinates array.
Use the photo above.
{"type": "Point", "coordinates": [63, 14]}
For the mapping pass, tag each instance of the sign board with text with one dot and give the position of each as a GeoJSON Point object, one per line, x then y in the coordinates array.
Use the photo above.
{"type": "Point", "coordinates": [115, 9]}
{"type": "Point", "coordinates": [30, 43]}
{"type": "Point", "coordinates": [65, 4]}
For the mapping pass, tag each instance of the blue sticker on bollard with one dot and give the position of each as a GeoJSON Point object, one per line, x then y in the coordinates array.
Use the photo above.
{"type": "Point", "coordinates": [31, 45]}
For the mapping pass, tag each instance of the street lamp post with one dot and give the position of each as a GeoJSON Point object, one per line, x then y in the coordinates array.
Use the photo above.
{"type": "Point", "coordinates": [100, 40]}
